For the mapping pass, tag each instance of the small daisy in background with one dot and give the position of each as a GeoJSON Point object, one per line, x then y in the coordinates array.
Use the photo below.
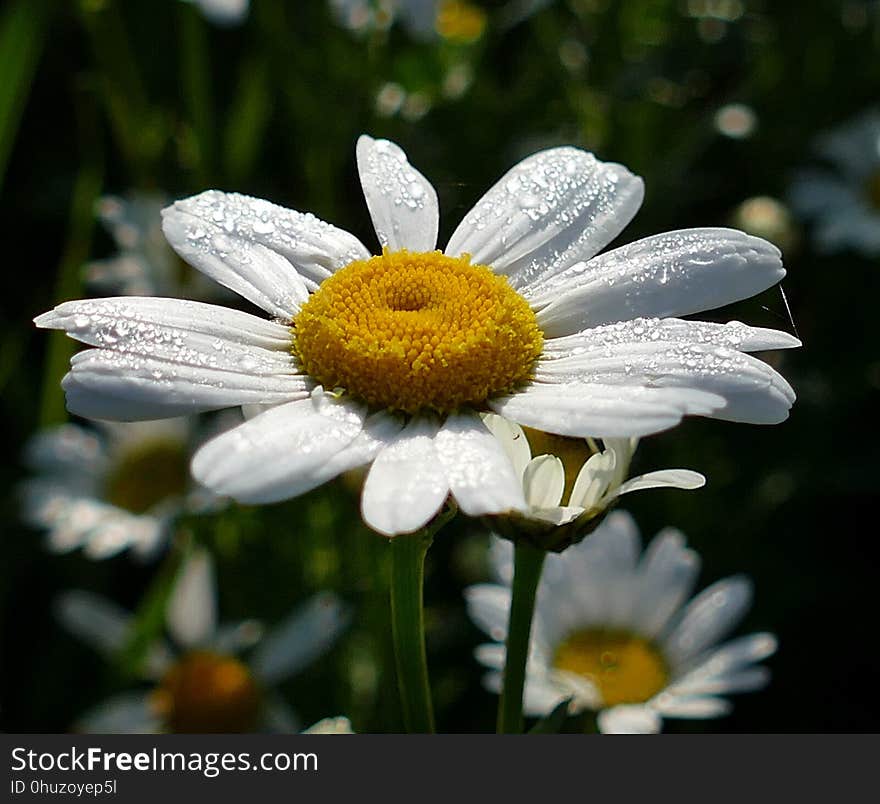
{"type": "Point", "coordinates": [144, 265]}
{"type": "Point", "coordinates": [200, 682]}
{"type": "Point", "coordinates": [455, 21]}
{"type": "Point", "coordinates": [386, 361]}
{"type": "Point", "coordinates": [113, 487]}
{"type": "Point", "coordinates": [571, 482]}
{"type": "Point", "coordinates": [843, 199]}
{"type": "Point", "coordinates": [615, 633]}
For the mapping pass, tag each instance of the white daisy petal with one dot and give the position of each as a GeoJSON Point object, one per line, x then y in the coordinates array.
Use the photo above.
{"type": "Point", "coordinates": [280, 453]}
{"type": "Point", "coordinates": [68, 450]}
{"type": "Point", "coordinates": [406, 484]}
{"type": "Point", "coordinates": [306, 634]}
{"type": "Point", "coordinates": [708, 618]}
{"type": "Point", "coordinates": [402, 202]}
{"type": "Point", "coordinates": [662, 478]}
{"type": "Point", "coordinates": [600, 339]}
{"type": "Point", "coordinates": [544, 481]}
{"type": "Point", "coordinates": [270, 255]}
{"type": "Point", "coordinates": [491, 655]}
{"type": "Point", "coordinates": [596, 409]}
{"type": "Point", "coordinates": [629, 719]}
{"type": "Point", "coordinates": [147, 324]}
{"type": "Point", "coordinates": [552, 209]}
{"type": "Point", "coordinates": [331, 725]}
{"type": "Point", "coordinates": [128, 713]}
{"type": "Point", "coordinates": [512, 439]}
{"type": "Point", "coordinates": [671, 274]}
{"type": "Point", "coordinates": [667, 574]}
{"type": "Point", "coordinates": [95, 620]}
{"type": "Point", "coordinates": [752, 390]}
{"type": "Point", "coordinates": [733, 655]}
{"type": "Point", "coordinates": [104, 384]}
{"type": "Point", "coordinates": [191, 614]}
{"type": "Point", "coordinates": [489, 607]}
{"type": "Point", "coordinates": [540, 697]}
{"type": "Point", "coordinates": [749, 680]}
{"type": "Point", "coordinates": [696, 708]}
{"type": "Point", "coordinates": [481, 478]}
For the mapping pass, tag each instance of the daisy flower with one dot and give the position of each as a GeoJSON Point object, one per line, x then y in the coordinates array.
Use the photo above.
{"type": "Point", "coordinates": [614, 633]}
{"type": "Point", "coordinates": [387, 360]}
{"type": "Point", "coordinates": [114, 487]}
{"type": "Point", "coordinates": [200, 682]}
{"type": "Point", "coordinates": [570, 483]}
{"type": "Point", "coordinates": [844, 199]}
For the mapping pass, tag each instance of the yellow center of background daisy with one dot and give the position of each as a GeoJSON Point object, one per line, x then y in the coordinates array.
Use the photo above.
{"type": "Point", "coordinates": [874, 189]}
{"type": "Point", "coordinates": [148, 474]}
{"type": "Point", "coordinates": [623, 667]}
{"type": "Point", "coordinates": [207, 693]}
{"type": "Point", "coordinates": [412, 331]}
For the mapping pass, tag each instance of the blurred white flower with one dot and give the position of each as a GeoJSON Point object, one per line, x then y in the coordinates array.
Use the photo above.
{"type": "Point", "coordinates": [518, 315]}
{"type": "Point", "coordinates": [570, 482]}
{"type": "Point", "coordinates": [113, 487]}
{"type": "Point", "coordinates": [201, 683]}
{"type": "Point", "coordinates": [226, 13]}
{"type": "Point", "coordinates": [145, 265]}
{"type": "Point", "coordinates": [613, 631]}
{"type": "Point", "coordinates": [452, 20]}
{"type": "Point", "coordinates": [843, 199]}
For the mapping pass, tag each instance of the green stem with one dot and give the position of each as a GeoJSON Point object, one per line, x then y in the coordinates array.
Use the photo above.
{"type": "Point", "coordinates": [527, 564]}
{"type": "Point", "coordinates": [408, 623]}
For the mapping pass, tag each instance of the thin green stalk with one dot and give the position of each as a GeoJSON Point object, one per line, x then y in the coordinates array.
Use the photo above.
{"type": "Point", "coordinates": [408, 623]}
{"type": "Point", "coordinates": [528, 562]}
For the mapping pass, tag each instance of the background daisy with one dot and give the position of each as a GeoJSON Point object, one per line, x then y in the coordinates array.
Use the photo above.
{"type": "Point", "coordinates": [615, 633]}
{"type": "Point", "coordinates": [114, 486]}
{"type": "Point", "coordinates": [200, 682]}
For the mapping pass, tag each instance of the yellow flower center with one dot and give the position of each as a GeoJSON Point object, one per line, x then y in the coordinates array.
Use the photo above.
{"type": "Point", "coordinates": [147, 475]}
{"type": "Point", "coordinates": [410, 331]}
{"type": "Point", "coordinates": [623, 667]}
{"type": "Point", "coordinates": [573, 452]}
{"type": "Point", "coordinates": [874, 189]}
{"type": "Point", "coordinates": [207, 693]}
{"type": "Point", "coordinates": [459, 21]}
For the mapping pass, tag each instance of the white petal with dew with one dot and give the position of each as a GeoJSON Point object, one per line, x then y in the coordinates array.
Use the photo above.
{"type": "Point", "coordinates": [402, 202]}
{"type": "Point", "coordinates": [598, 409]}
{"type": "Point", "coordinates": [105, 384]}
{"type": "Point", "coordinates": [406, 484]}
{"type": "Point", "coordinates": [270, 255]}
{"type": "Point", "coordinates": [481, 477]}
{"type": "Point", "coordinates": [280, 453]}
{"type": "Point", "coordinates": [672, 274]}
{"type": "Point", "coordinates": [552, 209]}
{"type": "Point", "coordinates": [752, 390]}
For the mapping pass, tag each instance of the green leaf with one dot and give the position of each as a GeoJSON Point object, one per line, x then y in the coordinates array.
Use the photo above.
{"type": "Point", "coordinates": [552, 723]}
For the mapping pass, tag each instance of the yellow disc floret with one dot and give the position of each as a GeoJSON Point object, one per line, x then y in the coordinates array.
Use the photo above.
{"type": "Point", "coordinates": [624, 667]}
{"type": "Point", "coordinates": [207, 693]}
{"type": "Point", "coordinates": [412, 331]}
